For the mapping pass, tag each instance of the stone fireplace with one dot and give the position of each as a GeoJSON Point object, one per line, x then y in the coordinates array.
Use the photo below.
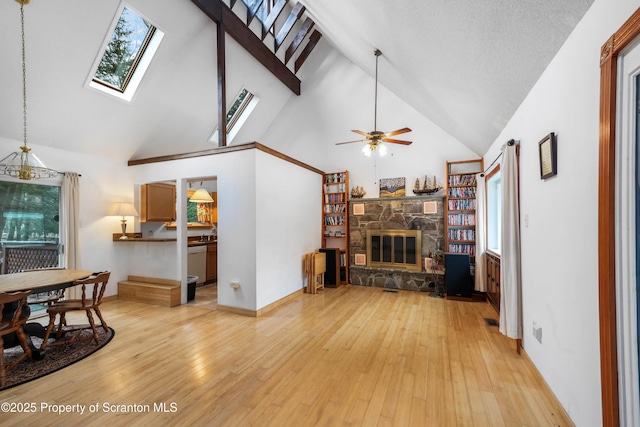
{"type": "Point", "coordinates": [389, 237]}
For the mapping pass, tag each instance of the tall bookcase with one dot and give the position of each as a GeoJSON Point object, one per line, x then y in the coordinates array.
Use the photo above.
{"type": "Point", "coordinates": [460, 236]}
{"type": "Point", "coordinates": [335, 219]}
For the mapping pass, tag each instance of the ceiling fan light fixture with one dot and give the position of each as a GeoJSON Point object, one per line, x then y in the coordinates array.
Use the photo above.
{"type": "Point", "coordinates": [375, 138]}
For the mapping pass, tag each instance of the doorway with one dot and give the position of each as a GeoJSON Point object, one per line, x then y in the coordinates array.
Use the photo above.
{"type": "Point", "coordinates": [627, 223]}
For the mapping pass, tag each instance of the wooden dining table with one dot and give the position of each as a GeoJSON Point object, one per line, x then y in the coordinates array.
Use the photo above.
{"type": "Point", "coordinates": [41, 280]}
{"type": "Point", "coordinates": [38, 281]}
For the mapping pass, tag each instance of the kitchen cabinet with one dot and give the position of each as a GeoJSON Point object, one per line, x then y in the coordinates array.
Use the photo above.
{"type": "Point", "coordinates": [214, 207]}
{"type": "Point", "coordinates": [212, 261]}
{"type": "Point", "coordinates": [158, 202]}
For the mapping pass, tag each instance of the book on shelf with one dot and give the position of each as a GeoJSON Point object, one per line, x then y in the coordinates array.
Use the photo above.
{"type": "Point", "coordinates": [461, 219]}
{"type": "Point", "coordinates": [333, 208]}
{"type": "Point", "coordinates": [334, 178]}
{"type": "Point", "coordinates": [462, 192]}
{"type": "Point", "coordinates": [334, 198]}
{"type": "Point", "coordinates": [463, 248]}
{"type": "Point", "coordinates": [456, 180]}
{"type": "Point", "coordinates": [462, 234]}
{"type": "Point", "coordinates": [462, 204]}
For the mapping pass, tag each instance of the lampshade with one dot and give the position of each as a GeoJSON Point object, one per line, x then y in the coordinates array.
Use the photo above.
{"type": "Point", "coordinates": [123, 209]}
{"type": "Point", "coordinates": [201, 196]}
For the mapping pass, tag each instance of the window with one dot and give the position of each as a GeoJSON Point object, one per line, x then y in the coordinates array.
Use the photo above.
{"type": "Point", "coordinates": [237, 114]}
{"type": "Point", "coordinates": [29, 213]}
{"type": "Point", "coordinates": [126, 56]}
{"type": "Point", "coordinates": [494, 211]}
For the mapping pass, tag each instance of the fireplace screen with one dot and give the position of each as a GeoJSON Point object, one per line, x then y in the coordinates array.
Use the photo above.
{"type": "Point", "coordinates": [394, 249]}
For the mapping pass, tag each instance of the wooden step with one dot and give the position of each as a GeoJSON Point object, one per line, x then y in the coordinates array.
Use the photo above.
{"type": "Point", "coordinates": [150, 290]}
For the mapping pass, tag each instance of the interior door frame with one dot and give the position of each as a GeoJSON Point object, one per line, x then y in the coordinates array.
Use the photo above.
{"type": "Point", "coordinates": [606, 216]}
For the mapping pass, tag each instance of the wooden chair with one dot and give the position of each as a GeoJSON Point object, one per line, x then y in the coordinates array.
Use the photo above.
{"type": "Point", "coordinates": [87, 303]}
{"type": "Point", "coordinates": [17, 258]}
{"type": "Point", "coordinates": [13, 319]}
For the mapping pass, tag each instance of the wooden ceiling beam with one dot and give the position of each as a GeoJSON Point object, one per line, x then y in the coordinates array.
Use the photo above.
{"type": "Point", "coordinates": [220, 13]}
{"type": "Point", "coordinates": [313, 41]}
{"type": "Point", "coordinates": [295, 44]}
{"type": "Point", "coordinates": [293, 17]}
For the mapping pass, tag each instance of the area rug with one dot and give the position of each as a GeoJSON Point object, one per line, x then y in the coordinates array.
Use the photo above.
{"type": "Point", "coordinates": [56, 357]}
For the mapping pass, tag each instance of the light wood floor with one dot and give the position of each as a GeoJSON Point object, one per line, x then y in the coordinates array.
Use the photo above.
{"type": "Point", "coordinates": [348, 356]}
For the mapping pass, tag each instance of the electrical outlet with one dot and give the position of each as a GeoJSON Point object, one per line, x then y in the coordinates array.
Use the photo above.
{"type": "Point", "coordinates": [234, 285]}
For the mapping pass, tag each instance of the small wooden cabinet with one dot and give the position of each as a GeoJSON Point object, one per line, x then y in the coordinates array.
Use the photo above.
{"type": "Point", "coordinates": [158, 202]}
{"type": "Point", "coordinates": [493, 279]}
{"type": "Point", "coordinates": [214, 207]}
{"type": "Point", "coordinates": [212, 262]}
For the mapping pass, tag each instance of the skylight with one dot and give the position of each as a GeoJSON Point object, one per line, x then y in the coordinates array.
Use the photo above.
{"type": "Point", "coordinates": [237, 114]}
{"type": "Point", "coordinates": [126, 55]}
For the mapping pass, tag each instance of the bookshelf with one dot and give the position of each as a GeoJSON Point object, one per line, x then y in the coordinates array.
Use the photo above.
{"type": "Point", "coordinates": [460, 218]}
{"type": "Point", "coordinates": [335, 219]}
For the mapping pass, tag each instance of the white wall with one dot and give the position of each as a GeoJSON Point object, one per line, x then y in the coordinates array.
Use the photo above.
{"type": "Point", "coordinates": [559, 246]}
{"type": "Point", "coordinates": [339, 96]}
{"type": "Point", "coordinates": [268, 216]}
{"type": "Point", "coordinates": [288, 225]}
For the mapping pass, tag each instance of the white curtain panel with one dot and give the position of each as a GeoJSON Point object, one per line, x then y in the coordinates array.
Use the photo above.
{"type": "Point", "coordinates": [510, 271]}
{"type": "Point", "coordinates": [71, 219]}
{"type": "Point", "coordinates": [481, 234]}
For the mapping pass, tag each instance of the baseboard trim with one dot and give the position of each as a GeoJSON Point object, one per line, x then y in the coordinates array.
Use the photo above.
{"type": "Point", "coordinates": [263, 310]}
{"type": "Point", "coordinates": [110, 298]}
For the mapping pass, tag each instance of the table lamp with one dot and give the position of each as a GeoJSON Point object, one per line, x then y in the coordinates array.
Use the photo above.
{"type": "Point", "coordinates": [123, 209]}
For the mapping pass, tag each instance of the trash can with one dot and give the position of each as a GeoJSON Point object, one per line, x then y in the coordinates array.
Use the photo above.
{"type": "Point", "coordinates": [191, 287]}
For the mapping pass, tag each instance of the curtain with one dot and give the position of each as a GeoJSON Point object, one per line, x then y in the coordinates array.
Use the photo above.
{"type": "Point", "coordinates": [510, 273]}
{"type": "Point", "coordinates": [481, 233]}
{"type": "Point", "coordinates": [71, 220]}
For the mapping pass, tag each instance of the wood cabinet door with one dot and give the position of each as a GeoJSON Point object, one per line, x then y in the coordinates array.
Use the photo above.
{"type": "Point", "coordinates": [212, 261]}
{"type": "Point", "coordinates": [158, 202]}
{"type": "Point", "coordinates": [214, 207]}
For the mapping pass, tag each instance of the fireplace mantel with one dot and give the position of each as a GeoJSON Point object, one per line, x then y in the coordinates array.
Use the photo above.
{"type": "Point", "coordinates": [435, 196]}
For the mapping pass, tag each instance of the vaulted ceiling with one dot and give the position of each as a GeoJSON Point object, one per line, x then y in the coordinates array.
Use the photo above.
{"type": "Point", "coordinates": [464, 65]}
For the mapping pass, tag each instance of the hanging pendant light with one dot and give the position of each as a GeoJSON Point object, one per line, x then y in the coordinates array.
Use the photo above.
{"type": "Point", "coordinates": [201, 195]}
{"type": "Point", "coordinates": [24, 164]}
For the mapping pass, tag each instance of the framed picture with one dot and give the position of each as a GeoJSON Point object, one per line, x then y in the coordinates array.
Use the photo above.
{"type": "Point", "coordinates": [547, 149]}
{"type": "Point", "coordinates": [392, 187]}
{"type": "Point", "coordinates": [358, 208]}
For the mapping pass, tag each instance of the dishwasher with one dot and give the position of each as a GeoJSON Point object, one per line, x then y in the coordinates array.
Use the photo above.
{"type": "Point", "coordinates": [197, 262]}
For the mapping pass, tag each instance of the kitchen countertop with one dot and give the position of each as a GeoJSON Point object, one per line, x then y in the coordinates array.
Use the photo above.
{"type": "Point", "coordinates": [201, 243]}
{"type": "Point", "coordinates": [137, 237]}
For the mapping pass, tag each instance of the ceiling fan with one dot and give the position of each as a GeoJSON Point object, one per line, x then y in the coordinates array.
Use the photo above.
{"type": "Point", "coordinates": [375, 138]}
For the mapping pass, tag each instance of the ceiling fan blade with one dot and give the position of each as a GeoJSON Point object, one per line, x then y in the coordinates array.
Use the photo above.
{"type": "Point", "coordinates": [397, 141]}
{"type": "Point", "coordinates": [397, 132]}
{"type": "Point", "coordinates": [350, 142]}
{"type": "Point", "coordinates": [359, 132]}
